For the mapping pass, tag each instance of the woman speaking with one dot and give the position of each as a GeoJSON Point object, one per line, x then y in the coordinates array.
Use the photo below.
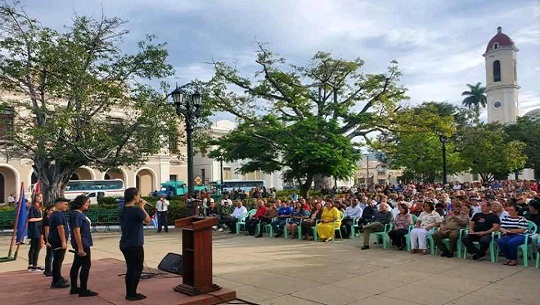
{"type": "Point", "coordinates": [132, 217]}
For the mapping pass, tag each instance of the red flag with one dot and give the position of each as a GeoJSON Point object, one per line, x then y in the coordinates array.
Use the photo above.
{"type": "Point", "coordinates": [37, 187]}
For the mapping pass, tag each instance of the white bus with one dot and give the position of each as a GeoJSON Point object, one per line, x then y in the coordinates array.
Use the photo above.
{"type": "Point", "coordinates": [246, 185]}
{"type": "Point", "coordinates": [94, 188]}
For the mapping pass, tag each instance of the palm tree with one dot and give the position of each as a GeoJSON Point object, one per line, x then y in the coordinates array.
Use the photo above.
{"type": "Point", "coordinates": [475, 98]}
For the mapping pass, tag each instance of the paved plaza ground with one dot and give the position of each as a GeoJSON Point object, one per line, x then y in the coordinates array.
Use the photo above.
{"type": "Point", "coordinates": [284, 271]}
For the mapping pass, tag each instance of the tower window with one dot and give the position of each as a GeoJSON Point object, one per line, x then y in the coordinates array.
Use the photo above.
{"type": "Point", "coordinates": [496, 46]}
{"type": "Point", "coordinates": [497, 71]}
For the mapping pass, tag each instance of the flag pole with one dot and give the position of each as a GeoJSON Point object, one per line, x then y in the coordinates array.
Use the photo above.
{"type": "Point", "coordinates": [15, 225]}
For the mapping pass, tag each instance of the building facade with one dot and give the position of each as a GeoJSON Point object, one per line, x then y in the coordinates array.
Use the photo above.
{"type": "Point", "coordinates": [147, 177]}
{"type": "Point", "coordinates": [501, 79]}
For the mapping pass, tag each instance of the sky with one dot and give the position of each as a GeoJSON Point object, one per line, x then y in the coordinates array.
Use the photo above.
{"type": "Point", "coordinates": [438, 44]}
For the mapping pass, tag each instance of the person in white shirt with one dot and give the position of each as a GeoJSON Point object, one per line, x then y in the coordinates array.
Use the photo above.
{"type": "Point", "coordinates": [353, 211]}
{"type": "Point", "coordinates": [226, 201]}
{"type": "Point", "coordinates": [231, 220]}
{"type": "Point", "coordinates": [11, 200]}
{"type": "Point", "coordinates": [162, 207]}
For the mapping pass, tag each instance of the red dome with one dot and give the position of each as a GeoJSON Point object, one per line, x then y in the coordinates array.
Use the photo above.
{"type": "Point", "coordinates": [501, 39]}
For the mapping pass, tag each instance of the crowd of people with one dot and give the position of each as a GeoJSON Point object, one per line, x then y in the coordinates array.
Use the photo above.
{"type": "Point", "coordinates": [505, 213]}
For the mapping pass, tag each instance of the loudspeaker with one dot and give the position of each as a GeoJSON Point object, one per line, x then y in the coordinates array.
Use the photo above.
{"type": "Point", "coordinates": [172, 263]}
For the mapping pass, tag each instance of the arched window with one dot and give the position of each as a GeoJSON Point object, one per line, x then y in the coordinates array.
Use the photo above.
{"type": "Point", "coordinates": [496, 46]}
{"type": "Point", "coordinates": [496, 71]}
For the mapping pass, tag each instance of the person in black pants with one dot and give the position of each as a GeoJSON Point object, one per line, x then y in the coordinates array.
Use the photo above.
{"type": "Point", "coordinates": [58, 235]}
{"type": "Point", "coordinates": [35, 218]}
{"type": "Point", "coordinates": [46, 228]}
{"type": "Point", "coordinates": [162, 206]}
{"type": "Point", "coordinates": [81, 241]}
{"type": "Point", "coordinates": [132, 217]}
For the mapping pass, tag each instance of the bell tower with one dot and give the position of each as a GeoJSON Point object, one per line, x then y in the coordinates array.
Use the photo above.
{"type": "Point", "coordinates": [501, 79]}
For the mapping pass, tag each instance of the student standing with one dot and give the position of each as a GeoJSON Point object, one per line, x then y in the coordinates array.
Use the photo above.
{"type": "Point", "coordinates": [81, 241]}
{"type": "Point", "coordinates": [132, 217]}
{"type": "Point", "coordinates": [35, 217]}
{"type": "Point", "coordinates": [58, 236]}
{"type": "Point", "coordinates": [46, 228]}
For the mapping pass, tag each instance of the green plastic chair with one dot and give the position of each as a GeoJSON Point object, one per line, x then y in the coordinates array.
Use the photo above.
{"type": "Point", "coordinates": [353, 227]}
{"type": "Point", "coordinates": [526, 250]}
{"type": "Point", "coordinates": [459, 246]}
{"type": "Point", "coordinates": [384, 235]}
{"type": "Point", "coordinates": [493, 254]}
{"type": "Point", "coordinates": [314, 228]}
{"type": "Point", "coordinates": [407, 236]}
{"type": "Point", "coordinates": [267, 227]}
{"type": "Point", "coordinates": [298, 229]}
{"type": "Point", "coordinates": [538, 253]}
{"type": "Point", "coordinates": [242, 220]}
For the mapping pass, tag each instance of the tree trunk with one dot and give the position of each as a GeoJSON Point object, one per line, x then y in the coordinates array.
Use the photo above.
{"type": "Point", "coordinates": [304, 188]}
{"type": "Point", "coordinates": [322, 182]}
{"type": "Point", "coordinates": [54, 178]}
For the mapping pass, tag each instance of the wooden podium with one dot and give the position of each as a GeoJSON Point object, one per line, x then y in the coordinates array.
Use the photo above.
{"type": "Point", "coordinates": [197, 255]}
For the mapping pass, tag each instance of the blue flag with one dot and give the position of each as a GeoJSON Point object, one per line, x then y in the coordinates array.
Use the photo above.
{"type": "Point", "coordinates": [23, 213]}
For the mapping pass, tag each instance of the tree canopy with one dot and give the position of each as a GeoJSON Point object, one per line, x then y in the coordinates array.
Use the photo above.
{"type": "Point", "coordinates": [475, 98]}
{"type": "Point", "coordinates": [78, 99]}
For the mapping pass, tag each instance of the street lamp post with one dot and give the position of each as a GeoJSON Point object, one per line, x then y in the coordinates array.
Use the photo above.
{"type": "Point", "coordinates": [444, 139]}
{"type": "Point", "coordinates": [188, 108]}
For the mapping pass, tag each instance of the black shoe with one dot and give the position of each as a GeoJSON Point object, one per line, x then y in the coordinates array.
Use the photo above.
{"type": "Point", "coordinates": [231, 232]}
{"type": "Point", "coordinates": [136, 297]}
{"type": "Point", "coordinates": [257, 236]}
{"type": "Point", "coordinates": [365, 247]}
{"type": "Point", "coordinates": [279, 234]}
{"type": "Point", "coordinates": [400, 248]}
{"type": "Point", "coordinates": [450, 255]}
{"type": "Point", "coordinates": [444, 253]}
{"type": "Point", "coordinates": [88, 293]}
{"type": "Point", "coordinates": [166, 231]}
{"type": "Point", "coordinates": [74, 291]}
{"type": "Point", "coordinates": [60, 285]}
{"type": "Point", "coordinates": [478, 256]}
{"type": "Point", "coordinates": [158, 232]}
{"type": "Point", "coordinates": [45, 273]}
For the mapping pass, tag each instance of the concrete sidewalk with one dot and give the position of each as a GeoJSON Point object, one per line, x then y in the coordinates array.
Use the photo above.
{"type": "Point", "coordinates": [284, 271]}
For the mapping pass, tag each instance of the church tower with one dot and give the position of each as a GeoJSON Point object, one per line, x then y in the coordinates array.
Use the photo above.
{"type": "Point", "coordinates": [501, 79]}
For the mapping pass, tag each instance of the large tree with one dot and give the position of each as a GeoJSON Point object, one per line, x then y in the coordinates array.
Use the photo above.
{"type": "Point", "coordinates": [417, 149]}
{"type": "Point", "coordinates": [475, 98]}
{"type": "Point", "coordinates": [302, 149]}
{"type": "Point", "coordinates": [327, 89]}
{"type": "Point", "coordinates": [528, 132]}
{"type": "Point", "coordinates": [487, 151]}
{"type": "Point", "coordinates": [78, 99]}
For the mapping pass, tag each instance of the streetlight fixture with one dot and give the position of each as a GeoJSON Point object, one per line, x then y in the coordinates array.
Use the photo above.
{"type": "Point", "coordinates": [188, 105]}
{"type": "Point", "coordinates": [444, 139]}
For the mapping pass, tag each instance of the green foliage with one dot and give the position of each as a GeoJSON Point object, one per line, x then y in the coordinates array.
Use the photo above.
{"type": "Point", "coordinates": [302, 149]}
{"type": "Point", "coordinates": [79, 100]}
{"type": "Point", "coordinates": [527, 131]}
{"type": "Point", "coordinates": [487, 151]}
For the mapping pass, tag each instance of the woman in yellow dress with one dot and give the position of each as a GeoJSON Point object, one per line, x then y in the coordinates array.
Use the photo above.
{"type": "Point", "coordinates": [326, 226]}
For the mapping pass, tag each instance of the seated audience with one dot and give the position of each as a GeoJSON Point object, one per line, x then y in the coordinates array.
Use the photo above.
{"type": "Point", "coordinates": [377, 223]}
{"type": "Point", "coordinates": [455, 221]}
{"type": "Point", "coordinates": [310, 222]}
{"type": "Point", "coordinates": [402, 222]}
{"type": "Point", "coordinates": [427, 220]}
{"type": "Point", "coordinates": [298, 215]}
{"type": "Point", "coordinates": [512, 231]}
{"type": "Point", "coordinates": [251, 224]}
{"type": "Point", "coordinates": [480, 228]}
{"type": "Point", "coordinates": [330, 219]}
{"type": "Point", "coordinates": [352, 212]}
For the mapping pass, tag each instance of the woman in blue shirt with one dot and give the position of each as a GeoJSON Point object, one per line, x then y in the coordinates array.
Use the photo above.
{"type": "Point", "coordinates": [132, 217]}
{"type": "Point", "coordinates": [35, 217]}
{"type": "Point", "coordinates": [81, 241]}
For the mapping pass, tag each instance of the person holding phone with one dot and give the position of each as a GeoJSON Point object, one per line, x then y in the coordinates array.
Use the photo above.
{"type": "Point", "coordinates": [132, 217]}
{"type": "Point", "coordinates": [81, 241]}
{"type": "Point", "coordinates": [58, 236]}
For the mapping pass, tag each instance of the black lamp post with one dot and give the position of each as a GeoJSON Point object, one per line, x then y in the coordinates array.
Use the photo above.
{"type": "Point", "coordinates": [187, 105]}
{"type": "Point", "coordinates": [444, 139]}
